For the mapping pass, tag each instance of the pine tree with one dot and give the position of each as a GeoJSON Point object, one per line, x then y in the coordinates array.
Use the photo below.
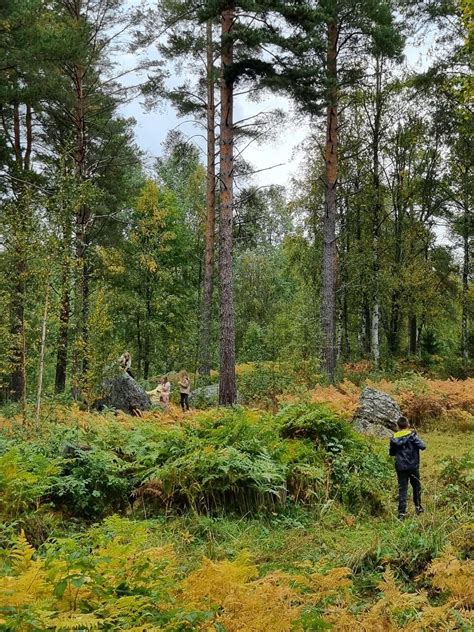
{"type": "Point", "coordinates": [331, 65]}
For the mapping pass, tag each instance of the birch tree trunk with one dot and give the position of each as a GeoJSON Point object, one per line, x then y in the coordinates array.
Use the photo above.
{"type": "Point", "coordinates": [42, 353]}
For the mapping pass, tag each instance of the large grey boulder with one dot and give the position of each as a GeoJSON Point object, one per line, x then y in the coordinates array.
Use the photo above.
{"type": "Point", "coordinates": [377, 414]}
{"type": "Point", "coordinates": [123, 393]}
{"type": "Point", "coordinates": [207, 396]}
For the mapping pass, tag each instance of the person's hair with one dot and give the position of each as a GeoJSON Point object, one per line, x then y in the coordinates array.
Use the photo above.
{"type": "Point", "coordinates": [126, 353]}
{"type": "Point", "coordinates": [184, 374]}
{"type": "Point", "coordinates": [403, 423]}
{"type": "Point", "coordinates": [165, 378]}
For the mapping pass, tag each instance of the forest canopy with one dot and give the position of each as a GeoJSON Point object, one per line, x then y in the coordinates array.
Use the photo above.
{"type": "Point", "coordinates": [188, 261]}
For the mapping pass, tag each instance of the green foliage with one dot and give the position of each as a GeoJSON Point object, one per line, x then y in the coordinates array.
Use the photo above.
{"type": "Point", "coordinates": [358, 474]}
{"type": "Point", "coordinates": [264, 384]}
{"type": "Point", "coordinates": [226, 462]}
{"type": "Point", "coordinates": [458, 477]}
{"type": "Point", "coordinates": [26, 477]}
{"type": "Point", "coordinates": [93, 481]}
{"type": "Point", "coordinates": [315, 422]}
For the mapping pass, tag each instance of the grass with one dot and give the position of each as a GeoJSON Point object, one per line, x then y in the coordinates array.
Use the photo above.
{"type": "Point", "coordinates": [291, 539]}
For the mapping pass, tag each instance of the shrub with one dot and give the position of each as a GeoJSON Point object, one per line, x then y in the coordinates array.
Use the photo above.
{"type": "Point", "coordinates": [25, 479]}
{"type": "Point", "coordinates": [264, 385]}
{"type": "Point", "coordinates": [422, 409]}
{"type": "Point", "coordinates": [458, 477]}
{"type": "Point", "coordinates": [357, 473]}
{"type": "Point", "coordinates": [316, 422]}
{"type": "Point", "coordinates": [231, 462]}
{"type": "Point", "coordinates": [92, 482]}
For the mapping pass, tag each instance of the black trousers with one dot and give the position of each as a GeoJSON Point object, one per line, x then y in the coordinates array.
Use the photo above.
{"type": "Point", "coordinates": [184, 401]}
{"type": "Point", "coordinates": [403, 477]}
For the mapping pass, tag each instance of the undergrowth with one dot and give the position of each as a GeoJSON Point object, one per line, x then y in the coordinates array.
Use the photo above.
{"type": "Point", "coordinates": [228, 521]}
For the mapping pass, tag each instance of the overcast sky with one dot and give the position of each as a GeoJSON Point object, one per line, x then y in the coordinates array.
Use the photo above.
{"type": "Point", "coordinates": [151, 127]}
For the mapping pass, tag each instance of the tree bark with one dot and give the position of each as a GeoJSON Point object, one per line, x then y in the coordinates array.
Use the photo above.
{"type": "Point", "coordinates": [206, 308]}
{"type": "Point", "coordinates": [412, 335]}
{"type": "Point", "coordinates": [17, 353]}
{"type": "Point", "coordinates": [377, 212]}
{"type": "Point", "coordinates": [329, 263]}
{"type": "Point", "coordinates": [466, 233]}
{"type": "Point", "coordinates": [63, 333]}
{"type": "Point", "coordinates": [20, 267]}
{"type": "Point", "coordinates": [42, 352]}
{"type": "Point", "coordinates": [227, 379]}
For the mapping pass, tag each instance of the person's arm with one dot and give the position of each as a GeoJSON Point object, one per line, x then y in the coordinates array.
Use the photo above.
{"type": "Point", "coordinates": [421, 445]}
{"type": "Point", "coordinates": [392, 449]}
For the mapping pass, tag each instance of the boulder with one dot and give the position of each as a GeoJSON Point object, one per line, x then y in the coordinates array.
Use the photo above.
{"type": "Point", "coordinates": [207, 396]}
{"type": "Point", "coordinates": [377, 414]}
{"type": "Point", "coordinates": [124, 393]}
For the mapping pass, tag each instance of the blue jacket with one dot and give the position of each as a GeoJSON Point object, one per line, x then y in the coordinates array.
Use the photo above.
{"type": "Point", "coordinates": [405, 446]}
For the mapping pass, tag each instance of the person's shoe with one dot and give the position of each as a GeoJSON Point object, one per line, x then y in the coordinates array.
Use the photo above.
{"type": "Point", "coordinates": [402, 517]}
{"type": "Point", "coordinates": [419, 510]}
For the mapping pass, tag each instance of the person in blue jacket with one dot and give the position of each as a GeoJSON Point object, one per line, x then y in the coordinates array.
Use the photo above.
{"type": "Point", "coordinates": [405, 446]}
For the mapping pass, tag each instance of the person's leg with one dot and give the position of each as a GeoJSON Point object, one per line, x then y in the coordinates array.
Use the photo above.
{"type": "Point", "coordinates": [402, 493]}
{"type": "Point", "coordinates": [186, 400]}
{"type": "Point", "coordinates": [416, 484]}
{"type": "Point", "coordinates": [183, 400]}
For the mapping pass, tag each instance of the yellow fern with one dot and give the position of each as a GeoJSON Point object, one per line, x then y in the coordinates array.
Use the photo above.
{"type": "Point", "coordinates": [454, 576]}
{"type": "Point", "coordinates": [29, 584]}
{"type": "Point", "coordinates": [334, 582]}
{"type": "Point", "coordinates": [242, 603]}
{"type": "Point", "coordinates": [75, 621]}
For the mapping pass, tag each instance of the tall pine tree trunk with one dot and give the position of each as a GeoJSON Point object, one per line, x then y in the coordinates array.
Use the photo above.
{"type": "Point", "coordinates": [377, 213]}
{"type": "Point", "coordinates": [329, 263]}
{"type": "Point", "coordinates": [64, 309]}
{"type": "Point", "coordinates": [20, 265]}
{"type": "Point", "coordinates": [206, 308]}
{"type": "Point", "coordinates": [227, 380]}
{"type": "Point", "coordinates": [83, 224]}
{"type": "Point", "coordinates": [17, 334]}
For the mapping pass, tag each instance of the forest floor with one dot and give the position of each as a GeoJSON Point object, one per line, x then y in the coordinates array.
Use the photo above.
{"type": "Point", "coordinates": [303, 566]}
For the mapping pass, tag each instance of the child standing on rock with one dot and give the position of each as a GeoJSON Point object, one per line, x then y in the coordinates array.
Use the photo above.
{"type": "Point", "coordinates": [405, 446]}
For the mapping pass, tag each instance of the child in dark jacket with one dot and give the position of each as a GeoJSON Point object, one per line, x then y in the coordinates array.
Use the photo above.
{"type": "Point", "coordinates": [405, 446]}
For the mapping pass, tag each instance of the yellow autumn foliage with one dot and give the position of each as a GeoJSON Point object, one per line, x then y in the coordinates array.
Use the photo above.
{"type": "Point", "coordinates": [241, 601]}
{"type": "Point", "coordinates": [126, 576]}
{"type": "Point", "coordinates": [454, 576]}
{"type": "Point", "coordinates": [29, 583]}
